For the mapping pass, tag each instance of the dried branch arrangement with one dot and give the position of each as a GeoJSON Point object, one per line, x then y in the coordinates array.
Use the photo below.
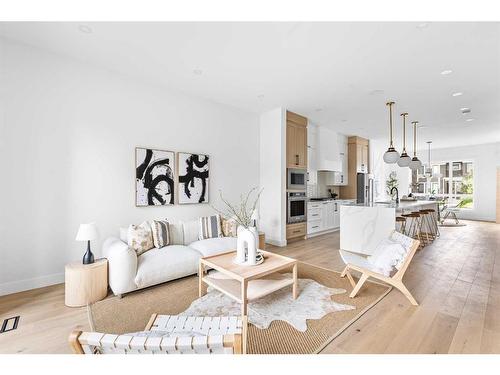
{"type": "Point", "coordinates": [242, 211]}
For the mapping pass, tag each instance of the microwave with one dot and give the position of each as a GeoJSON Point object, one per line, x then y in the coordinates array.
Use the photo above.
{"type": "Point", "coordinates": [297, 179]}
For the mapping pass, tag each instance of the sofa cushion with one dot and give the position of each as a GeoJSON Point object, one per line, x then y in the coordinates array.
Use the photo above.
{"type": "Point", "coordinates": [168, 263]}
{"type": "Point", "coordinates": [210, 227]}
{"type": "Point", "coordinates": [140, 237]}
{"type": "Point", "coordinates": [191, 231]}
{"type": "Point", "coordinates": [161, 233]}
{"type": "Point", "coordinates": [176, 233]}
{"type": "Point", "coordinates": [229, 227]}
{"type": "Point", "coordinates": [213, 246]}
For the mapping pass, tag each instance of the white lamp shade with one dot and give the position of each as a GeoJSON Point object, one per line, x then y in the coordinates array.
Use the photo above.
{"type": "Point", "coordinates": [404, 160]}
{"type": "Point", "coordinates": [391, 156]}
{"type": "Point", "coordinates": [415, 164]}
{"type": "Point", "coordinates": [87, 232]}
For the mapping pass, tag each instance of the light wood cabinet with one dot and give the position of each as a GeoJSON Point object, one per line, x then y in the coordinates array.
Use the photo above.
{"type": "Point", "coordinates": [358, 162]}
{"type": "Point", "coordinates": [296, 230]}
{"type": "Point", "coordinates": [296, 141]}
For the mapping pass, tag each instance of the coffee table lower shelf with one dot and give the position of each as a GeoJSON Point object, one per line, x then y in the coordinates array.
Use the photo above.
{"type": "Point", "coordinates": [255, 289]}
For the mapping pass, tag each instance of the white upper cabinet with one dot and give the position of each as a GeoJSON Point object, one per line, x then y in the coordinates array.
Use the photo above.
{"type": "Point", "coordinates": [312, 154]}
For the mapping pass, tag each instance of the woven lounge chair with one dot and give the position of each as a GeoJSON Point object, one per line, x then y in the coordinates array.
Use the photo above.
{"type": "Point", "coordinates": [169, 334]}
{"type": "Point", "coordinates": [356, 262]}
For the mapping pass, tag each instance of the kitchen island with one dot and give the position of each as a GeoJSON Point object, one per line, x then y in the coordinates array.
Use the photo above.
{"type": "Point", "coordinates": [363, 226]}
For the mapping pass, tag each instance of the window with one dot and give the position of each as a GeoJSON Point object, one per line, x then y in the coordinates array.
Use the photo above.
{"type": "Point", "coordinates": [453, 180]}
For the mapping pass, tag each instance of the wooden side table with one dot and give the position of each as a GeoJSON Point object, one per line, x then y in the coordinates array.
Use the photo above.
{"type": "Point", "coordinates": [85, 283]}
{"type": "Point", "coordinates": [262, 241]}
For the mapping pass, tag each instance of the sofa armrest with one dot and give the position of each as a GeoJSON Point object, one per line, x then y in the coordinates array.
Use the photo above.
{"type": "Point", "coordinates": [122, 263]}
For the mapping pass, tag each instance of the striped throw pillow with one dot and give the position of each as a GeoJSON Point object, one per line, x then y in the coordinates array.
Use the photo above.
{"type": "Point", "coordinates": [161, 233]}
{"type": "Point", "coordinates": [210, 227]}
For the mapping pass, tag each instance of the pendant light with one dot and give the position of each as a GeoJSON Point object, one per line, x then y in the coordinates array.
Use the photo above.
{"type": "Point", "coordinates": [415, 163]}
{"type": "Point", "coordinates": [391, 156]}
{"type": "Point", "coordinates": [404, 159]}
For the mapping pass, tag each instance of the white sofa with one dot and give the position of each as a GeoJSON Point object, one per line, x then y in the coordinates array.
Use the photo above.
{"type": "Point", "coordinates": [129, 272]}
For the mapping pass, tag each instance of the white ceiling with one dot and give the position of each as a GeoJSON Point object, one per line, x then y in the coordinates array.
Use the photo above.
{"type": "Point", "coordinates": [337, 74]}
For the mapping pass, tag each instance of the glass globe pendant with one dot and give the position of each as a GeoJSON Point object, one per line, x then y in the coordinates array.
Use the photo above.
{"type": "Point", "coordinates": [391, 156]}
{"type": "Point", "coordinates": [404, 160]}
{"type": "Point", "coordinates": [415, 163]}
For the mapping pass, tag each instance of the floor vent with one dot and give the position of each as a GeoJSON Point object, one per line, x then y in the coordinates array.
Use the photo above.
{"type": "Point", "coordinates": [9, 324]}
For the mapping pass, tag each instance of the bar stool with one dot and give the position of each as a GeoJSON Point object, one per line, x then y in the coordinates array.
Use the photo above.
{"type": "Point", "coordinates": [402, 225]}
{"type": "Point", "coordinates": [434, 221]}
{"type": "Point", "coordinates": [413, 225]}
{"type": "Point", "coordinates": [423, 236]}
{"type": "Point", "coordinates": [426, 223]}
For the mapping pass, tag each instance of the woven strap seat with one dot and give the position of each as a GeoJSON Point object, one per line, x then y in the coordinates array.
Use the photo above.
{"type": "Point", "coordinates": [169, 334]}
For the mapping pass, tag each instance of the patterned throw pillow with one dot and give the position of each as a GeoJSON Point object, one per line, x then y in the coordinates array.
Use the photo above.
{"type": "Point", "coordinates": [161, 234]}
{"type": "Point", "coordinates": [229, 227]}
{"type": "Point", "coordinates": [210, 227]}
{"type": "Point", "coordinates": [140, 237]}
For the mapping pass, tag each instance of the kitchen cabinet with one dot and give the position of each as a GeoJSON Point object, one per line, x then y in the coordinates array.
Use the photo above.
{"type": "Point", "coordinates": [362, 158]}
{"type": "Point", "coordinates": [322, 216]}
{"type": "Point", "coordinates": [342, 178]}
{"type": "Point", "coordinates": [358, 162]}
{"type": "Point", "coordinates": [312, 170]}
{"type": "Point", "coordinates": [295, 230]}
{"type": "Point", "coordinates": [296, 141]}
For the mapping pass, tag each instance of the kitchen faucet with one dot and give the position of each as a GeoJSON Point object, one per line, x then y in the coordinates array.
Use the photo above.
{"type": "Point", "coordinates": [397, 193]}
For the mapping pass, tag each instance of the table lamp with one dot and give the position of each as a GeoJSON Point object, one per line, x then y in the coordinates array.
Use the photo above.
{"type": "Point", "coordinates": [87, 232]}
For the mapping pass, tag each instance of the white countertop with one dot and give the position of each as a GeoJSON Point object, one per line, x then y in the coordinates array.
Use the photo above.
{"type": "Point", "coordinates": [402, 205]}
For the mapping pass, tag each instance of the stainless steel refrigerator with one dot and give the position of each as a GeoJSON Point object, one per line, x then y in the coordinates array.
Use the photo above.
{"type": "Point", "coordinates": [364, 188]}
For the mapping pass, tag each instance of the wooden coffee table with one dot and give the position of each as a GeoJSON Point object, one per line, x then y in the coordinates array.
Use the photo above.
{"type": "Point", "coordinates": [247, 283]}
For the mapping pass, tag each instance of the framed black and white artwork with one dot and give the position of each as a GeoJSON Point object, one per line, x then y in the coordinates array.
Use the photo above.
{"type": "Point", "coordinates": [193, 170]}
{"type": "Point", "coordinates": [154, 177]}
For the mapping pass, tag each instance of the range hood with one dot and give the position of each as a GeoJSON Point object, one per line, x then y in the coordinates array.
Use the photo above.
{"type": "Point", "coordinates": [330, 166]}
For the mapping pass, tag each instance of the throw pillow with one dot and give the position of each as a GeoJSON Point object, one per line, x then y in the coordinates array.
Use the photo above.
{"type": "Point", "coordinates": [161, 233]}
{"type": "Point", "coordinates": [386, 256]}
{"type": "Point", "coordinates": [229, 227]}
{"type": "Point", "coordinates": [140, 237]}
{"type": "Point", "coordinates": [209, 227]}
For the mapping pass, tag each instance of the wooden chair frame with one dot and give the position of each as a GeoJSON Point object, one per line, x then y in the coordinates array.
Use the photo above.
{"type": "Point", "coordinates": [77, 338]}
{"type": "Point", "coordinates": [396, 280]}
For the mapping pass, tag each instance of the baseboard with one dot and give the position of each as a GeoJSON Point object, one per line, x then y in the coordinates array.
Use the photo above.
{"type": "Point", "coordinates": [28, 284]}
{"type": "Point", "coordinates": [276, 242]}
{"type": "Point", "coordinates": [323, 232]}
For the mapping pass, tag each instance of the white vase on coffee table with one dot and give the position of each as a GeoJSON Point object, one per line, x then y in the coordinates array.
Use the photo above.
{"type": "Point", "coordinates": [246, 248]}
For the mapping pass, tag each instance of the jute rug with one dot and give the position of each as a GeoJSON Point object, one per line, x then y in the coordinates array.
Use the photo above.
{"type": "Point", "coordinates": [132, 312]}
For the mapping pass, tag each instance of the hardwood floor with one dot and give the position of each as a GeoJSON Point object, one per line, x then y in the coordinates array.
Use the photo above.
{"type": "Point", "coordinates": [456, 280]}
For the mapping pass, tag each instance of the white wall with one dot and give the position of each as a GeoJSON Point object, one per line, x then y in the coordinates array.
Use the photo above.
{"type": "Point", "coordinates": [68, 134]}
{"type": "Point", "coordinates": [273, 175]}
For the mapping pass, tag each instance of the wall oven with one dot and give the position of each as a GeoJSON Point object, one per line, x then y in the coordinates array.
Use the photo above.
{"type": "Point", "coordinates": [297, 179]}
{"type": "Point", "coordinates": [296, 210]}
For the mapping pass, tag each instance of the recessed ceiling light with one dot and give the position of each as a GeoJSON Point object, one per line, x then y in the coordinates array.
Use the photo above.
{"type": "Point", "coordinates": [422, 25]}
{"type": "Point", "coordinates": [446, 72]}
{"type": "Point", "coordinates": [465, 110]}
{"type": "Point", "coordinates": [85, 29]}
{"type": "Point", "coordinates": [470, 119]}
{"type": "Point", "coordinates": [197, 72]}
{"type": "Point", "coordinates": [457, 94]}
